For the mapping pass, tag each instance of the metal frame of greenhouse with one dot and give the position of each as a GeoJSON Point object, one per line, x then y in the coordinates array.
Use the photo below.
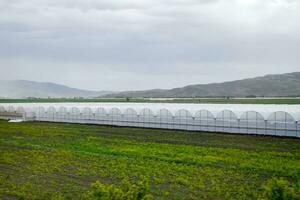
{"type": "Point", "coordinates": [261, 119]}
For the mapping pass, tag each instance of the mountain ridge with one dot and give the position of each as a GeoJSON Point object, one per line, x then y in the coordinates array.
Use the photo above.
{"type": "Point", "coordinates": [26, 89]}
{"type": "Point", "coordinates": [271, 85]}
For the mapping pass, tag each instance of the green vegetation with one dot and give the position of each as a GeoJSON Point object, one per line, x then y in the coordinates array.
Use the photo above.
{"type": "Point", "coordinates": [69, 161]}
{"type": "Point", "coordinates": [126, 192]}
{"type": "Point", "coordinates": [277, 189]}
{"type": "Point", "coordinates": [133, 100]}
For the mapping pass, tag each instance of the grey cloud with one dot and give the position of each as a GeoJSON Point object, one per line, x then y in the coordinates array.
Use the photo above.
{"type": "Point", "coordinates": [173, 43]}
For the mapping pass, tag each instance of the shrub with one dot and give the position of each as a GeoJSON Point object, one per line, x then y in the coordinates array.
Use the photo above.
{"type": "Point", "coordinates": [279, 189]}
{"type": "Point", "coordinates": [126, 191]}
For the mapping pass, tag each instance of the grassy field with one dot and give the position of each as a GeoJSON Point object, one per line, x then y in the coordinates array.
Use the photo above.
{"type": "Point", "coordinates": [61, 161]}
{"type": "Point", "coordinates": [196, 100]}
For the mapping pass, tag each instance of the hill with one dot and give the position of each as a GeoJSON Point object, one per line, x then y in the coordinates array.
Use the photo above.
{"type": "Point", "coordinates": [280, 85]}
{"type": "Point", "coordinates": [24, 89]}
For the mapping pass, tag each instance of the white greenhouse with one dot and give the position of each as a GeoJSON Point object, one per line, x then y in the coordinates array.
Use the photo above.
{"type": "Point", "coordinates": [279, 120]}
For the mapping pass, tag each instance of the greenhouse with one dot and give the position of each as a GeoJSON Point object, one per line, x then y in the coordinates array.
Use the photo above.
{"type": "Point", "coordinates": [279, 120]}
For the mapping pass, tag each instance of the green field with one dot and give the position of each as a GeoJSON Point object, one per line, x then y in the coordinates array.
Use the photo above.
{"type": "Point", "coordinates": [61, 161]}
{"type": "Point", "coordinates": [195, 100]}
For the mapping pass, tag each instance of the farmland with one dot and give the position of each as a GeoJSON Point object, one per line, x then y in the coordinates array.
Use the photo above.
{"type": "Point", "coordinates": [61, 161]}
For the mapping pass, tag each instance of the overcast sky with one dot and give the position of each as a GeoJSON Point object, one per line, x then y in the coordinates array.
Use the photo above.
{"type": "Point", "coordinates": [143, 44]}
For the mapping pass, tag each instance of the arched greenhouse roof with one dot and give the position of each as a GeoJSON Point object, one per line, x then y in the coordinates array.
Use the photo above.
{"type": "Point", "coordinates": [238, 109]}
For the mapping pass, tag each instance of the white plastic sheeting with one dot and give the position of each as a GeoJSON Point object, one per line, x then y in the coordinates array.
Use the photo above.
{"type": "Point", "coordinates": [281, 120]}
